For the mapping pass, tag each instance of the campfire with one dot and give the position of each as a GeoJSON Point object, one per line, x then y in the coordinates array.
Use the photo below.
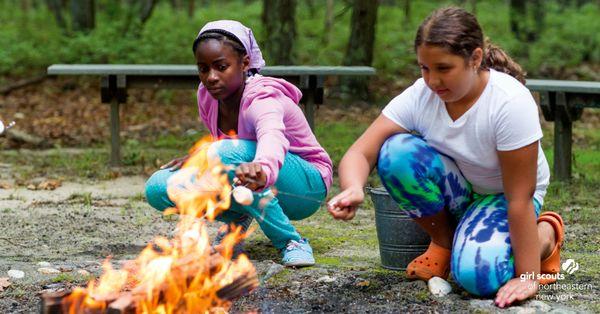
{"type": "Point", "coordinates": [185, 274]}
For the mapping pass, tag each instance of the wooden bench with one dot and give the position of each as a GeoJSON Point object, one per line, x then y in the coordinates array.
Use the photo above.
{"type": "Point", "coordinates": [117, 78]}
{"type": "Point", "coordinates": [563, 103]}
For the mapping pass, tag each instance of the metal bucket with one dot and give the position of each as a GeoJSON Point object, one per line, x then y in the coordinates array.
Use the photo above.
{"type": "Point", "coordinates": [400, 238]}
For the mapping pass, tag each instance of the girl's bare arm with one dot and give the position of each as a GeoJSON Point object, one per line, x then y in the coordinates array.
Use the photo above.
{"type": "Point", "coordinates": [356, 165]}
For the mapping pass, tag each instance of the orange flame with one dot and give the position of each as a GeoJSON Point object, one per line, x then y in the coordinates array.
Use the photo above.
{"type": "Point", "coordinates": [177, 275]}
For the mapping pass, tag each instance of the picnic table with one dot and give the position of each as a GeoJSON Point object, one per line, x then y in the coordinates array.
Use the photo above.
{"type": "Point", "coordinates": [563, 103]}
{"type": "Point", "coordinates": [117, 78]}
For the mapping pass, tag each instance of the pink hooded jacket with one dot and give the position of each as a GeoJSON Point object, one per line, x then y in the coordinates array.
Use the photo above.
{"type": "Point", "coordinates": [270, 115]}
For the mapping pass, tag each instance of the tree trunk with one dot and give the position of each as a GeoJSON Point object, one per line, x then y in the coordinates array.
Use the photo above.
{"type": "Point", "coordinates": [360, 45]}
{"type": "Point", "coordinates": [55, 6]}
{"type": "Point", "coordinates": [191, 4]}
{"type": "Point", "coordinates": [527, 19]}
{"type": "Point", "coordinates": [280, 30]}
{"type": "Point", "coordinates": [328, 30]}
{"type": "Point", "coordinates": [518, 19]}
{"type": "Point", "coordinates": [147, 8]}
{"type": "Point", "coordinates": [138, 12]}
{"type": "Point", "coordinates": [83, 15]}
{"type": "Point", "coordinates": [176, 4]}
{"type": "Point", "coordinates": [406, 12]}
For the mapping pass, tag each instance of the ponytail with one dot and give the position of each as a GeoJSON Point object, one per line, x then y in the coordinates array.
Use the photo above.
{"type": "Point", "coordinates": [496, 58]}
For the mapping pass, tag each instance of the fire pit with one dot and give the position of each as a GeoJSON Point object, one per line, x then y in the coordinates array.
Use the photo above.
{"type": "Point", "coordinates": [185, 274]}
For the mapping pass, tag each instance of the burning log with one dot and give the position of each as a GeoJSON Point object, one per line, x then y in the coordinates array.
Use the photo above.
{"type": "Point", "coordinates": [125, 302]}
{"type": "Point", "coordinates": [52, 302]}
{"type": "Point", "coordinates": [56, 303]}
{"type": "Point", "coordinates": [239, 287]}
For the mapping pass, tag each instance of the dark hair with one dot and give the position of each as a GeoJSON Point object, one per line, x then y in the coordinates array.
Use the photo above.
{"type": "Point", "coordinates": [459, 32]}
{"type": "Point", "coordinates": [222, 36]}
{"type": "Point", "coordinates": [225, 37]}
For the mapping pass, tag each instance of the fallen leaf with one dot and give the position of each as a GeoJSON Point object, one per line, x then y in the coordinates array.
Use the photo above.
{"type": "Point", "coordinates": [365, 283]}
{"type": "Point", "coordinates": [4, 283]}
{"type": "Point", "coordinates": [5, 185]}
{"type": "Point", "coordinates": [49, 185]}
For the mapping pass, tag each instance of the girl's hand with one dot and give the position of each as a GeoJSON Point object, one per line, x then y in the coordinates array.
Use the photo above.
{"type": "Point", "coordinates": [251, 175]}
{"type": "Point", "coordinates": [516, 289]}
{"type": "Point", "coordinates": [343, 206]}
{"type": "Point", "coordinates": [176, 163]}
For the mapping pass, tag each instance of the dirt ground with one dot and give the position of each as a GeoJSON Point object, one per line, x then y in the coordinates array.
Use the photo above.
{"type": "Point", "coordinates": [74, 227]}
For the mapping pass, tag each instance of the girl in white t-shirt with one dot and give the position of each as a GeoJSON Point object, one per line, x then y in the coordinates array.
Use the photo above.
{"type": "Point", "coordinates": [459, 151]}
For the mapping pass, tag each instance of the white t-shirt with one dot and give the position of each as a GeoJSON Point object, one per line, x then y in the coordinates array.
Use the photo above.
{"type": "Point", "coordinates": [505, 117]}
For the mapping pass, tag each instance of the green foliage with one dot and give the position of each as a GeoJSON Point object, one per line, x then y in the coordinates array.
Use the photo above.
{"type": "Point", "coordinates": [31, 40]}
{"type": "Point", "coordinates": [568, 44]}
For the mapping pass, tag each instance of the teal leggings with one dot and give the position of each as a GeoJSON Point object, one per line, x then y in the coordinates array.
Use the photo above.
{"type": "Point", "coordinates": [300, 183]}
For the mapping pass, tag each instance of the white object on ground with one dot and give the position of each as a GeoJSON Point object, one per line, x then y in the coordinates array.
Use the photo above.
{"type": "Point", "coordinates": [15, 273]}
{"type": "Point", "coordinates": [326, 279]}
{"type": "Point", "coordinates": [438, 286]}
{"type": "Point", "coordinates": [83, 272]}
{"type": "Point", "coordinates": [243, 195]}
{"type": "Point", "coordinates": [6, 127]}
{"type": "Point", "coordinates": [48, 270]}
{"type": "Point", "coordinates": [44, 264]}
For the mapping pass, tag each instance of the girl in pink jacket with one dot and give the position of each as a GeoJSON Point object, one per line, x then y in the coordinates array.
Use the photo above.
{"type": "Point", "coordinates": [273, 145]}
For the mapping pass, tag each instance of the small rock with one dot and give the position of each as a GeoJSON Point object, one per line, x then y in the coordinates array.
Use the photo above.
{"type": "Point", "coordinates": [44, 264]}
{"type": "Point", "coordinates": [521, 310]}
{"type": "Point", "coordinates": [273, 270]}
{"type": "Point", "coordinates": [54, 286]}
{"type": "Point", "coordinates": [191, 132]}
{"type": "Point", "coordinates": [326, 279]}
{"type": "Point", "coordinates": [48, 270]}
{"type": "Point", "coordinates": [16, 274]}
{"type": "Point", "coordinates": [65, 268]}
{"type": "Point", "coordinates": [83, 272]}
{"type": "Point", "coordinates": [439, 287]}
{"type": "Point", "coordinates": [539, 305]}
{"type": "Point", "coordinates": [562, 310]}
{"type": "Point", "coordinates": [482, 304]}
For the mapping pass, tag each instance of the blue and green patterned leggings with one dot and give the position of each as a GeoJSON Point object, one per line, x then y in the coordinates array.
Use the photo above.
{"type": "Point", "coordinates": [423, 182]}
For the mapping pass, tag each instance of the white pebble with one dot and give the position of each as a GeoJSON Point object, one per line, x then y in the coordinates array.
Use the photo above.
{"type": "Point", "coordinates": [15, 273]}
{"type": "Point", "coordinates": [326, 279]}
{"type": "Point", "coordinates": [243, 195]}
{"type": "Point", "coordinates": [44, 264]}
{"type": "Point", "coordinates": [83, 272]}
{"type": "Point", "coordinates": [48, 270]}
{"type": "Point", "coordinates": [439, 287]}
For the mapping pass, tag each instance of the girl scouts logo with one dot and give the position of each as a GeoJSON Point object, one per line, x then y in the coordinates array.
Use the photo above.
{"type": "Point", "coordinates": [570, 266]}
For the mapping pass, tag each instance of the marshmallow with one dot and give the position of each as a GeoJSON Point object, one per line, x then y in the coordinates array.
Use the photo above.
{"type": "Point", "coordinates": [243, 195]}
{"type": "Point", "coordinates": [1, 127]}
